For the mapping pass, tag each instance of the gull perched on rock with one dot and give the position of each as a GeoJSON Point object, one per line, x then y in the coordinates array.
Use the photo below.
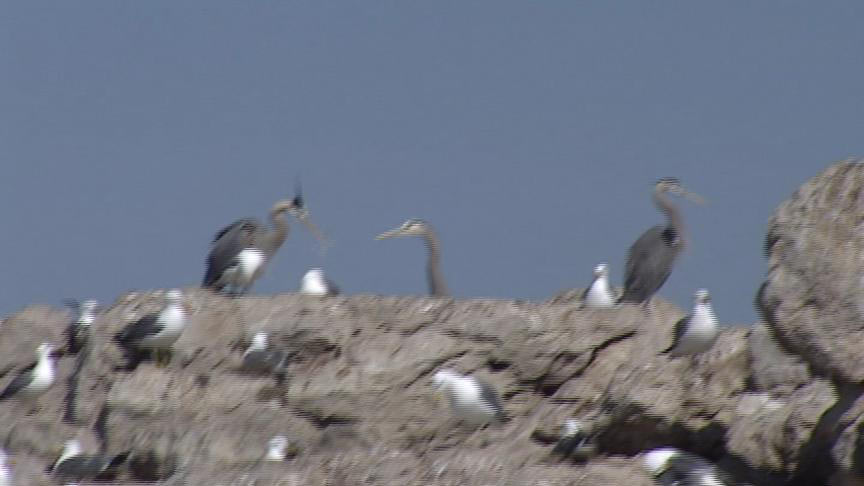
{"type": "Point", "coordinates": [5, 472]}
{"type": "Point", "coordinates": [471, 400]}
{"type": "Point", "coordinates": [670, 466]}
{"type": "Point", "coordinates": [697, 331]}
{"type": "Point", "coordinates": [78, 331]}
{"type": "Point", "coordinates": [574, 442]}
{"type": "Point", "coordinates": [157, 331]}
{"type": "Point", "coordinates": [277, 448]}
{"type": "Point", "coordinates": [314, 282]}
{"type": "Point", "coordinates": [599, 295]}
{"type": "Point", "coordinates": [74, 465]}
{"type": "Point", "coordinates": [259, 359]}
{"type": "Point", "coordinates": [35, 379]}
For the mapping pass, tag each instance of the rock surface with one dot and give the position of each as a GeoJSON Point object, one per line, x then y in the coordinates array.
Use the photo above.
{"type": "Point", "coordinates": [778, 403]}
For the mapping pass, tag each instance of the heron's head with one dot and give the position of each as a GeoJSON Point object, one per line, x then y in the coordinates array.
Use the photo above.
{"type": "Point", "coordinates": [601, 270]}
{"type": "Point", "coordinates": [657, 461]}
{"type": "Point", "coordinates": [412, 227]}
{"type": "Point", "coordinates": [672, 185]}
{"type": "Point", "coordinates": [702, 296]}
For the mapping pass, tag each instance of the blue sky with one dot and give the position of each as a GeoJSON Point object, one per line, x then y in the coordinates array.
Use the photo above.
{"type": "Point", "coordinates": [528, 133]}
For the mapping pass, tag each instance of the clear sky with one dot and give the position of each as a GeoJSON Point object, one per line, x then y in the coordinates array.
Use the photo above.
{"type": "Point", "coordinates": [529, 133]}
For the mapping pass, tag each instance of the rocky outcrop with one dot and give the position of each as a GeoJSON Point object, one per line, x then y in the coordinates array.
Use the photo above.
{"type": "Point", "coordinates": [776, 403]}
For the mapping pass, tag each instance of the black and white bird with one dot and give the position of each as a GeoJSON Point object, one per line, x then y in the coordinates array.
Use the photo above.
{"type": "Point", "coordinates": [472, 400]}
{"type": "Point", "coordinates": [314, 282]}
{"type": "Point", "coordinates": [73, 465]}
{"type": "Point", "coordinates": [599, 295]}
{"type": "Point", "coordinates": [240, 251]}
{"type": "Point", "coordinates": [651, 258]}
{"type": "Point", "coordinates": [574, 442]}
{"type": "Point", "coordinates": [78, 330]}
{"type": "Point", "coordinates": [35, 379]}
{"type": "Point", "coordinates": [261, 360]}
{"type": "Point", "coordinates": [673, 467]}
{"type": "Point", "coordinates": [5, 472]}
{"type": "Point", "coordinates": [277, 449]}
{"type": "Point", "coordinates": [156, 331]}
{"type": "Point", "coordinates": [696, 332]}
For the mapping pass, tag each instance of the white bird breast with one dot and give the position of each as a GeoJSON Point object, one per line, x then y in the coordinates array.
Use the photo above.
{"type": "Point", "coordinates": [467, 403]}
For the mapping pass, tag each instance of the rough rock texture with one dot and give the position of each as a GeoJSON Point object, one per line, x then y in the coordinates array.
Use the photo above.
{"type": "Point", "coordinates": [778, 403]}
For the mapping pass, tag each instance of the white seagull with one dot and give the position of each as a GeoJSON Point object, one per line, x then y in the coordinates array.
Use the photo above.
{"type": "Point", "coordinates": [697, 331]}
{"type": "Point", "coordinates": [35, 379]}
{"type": "Point", "coordinates": [276, 448]}
{"type": "Point", "coordinates": [72, 464]}
{"type": "Point", "coordinates": [78, 331]}
{"type": "Point", "coordinates": [314, 282]}
{"type": "Point", "coordinates": [670, 466]}
{"type": "Point", "coordinates": [156, 331]}
{"type": "Point", "coordinates": [472, 400]}
{"type": "Point", "coordinates": [599, 295]}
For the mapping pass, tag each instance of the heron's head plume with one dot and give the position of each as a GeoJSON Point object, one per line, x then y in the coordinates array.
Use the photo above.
{"type": "Point", "coordinates": [672, 185]}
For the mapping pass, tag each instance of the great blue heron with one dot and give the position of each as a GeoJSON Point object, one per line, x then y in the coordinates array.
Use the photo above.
{"type": "Point", "coordinates": [73, 465]}
{"type": "Point", "coordinates": [472, 400]}
{"type": "Point", "coordinates": [671, 466]}
{"type": "Point", "coordinates": [241, 250]}
{"type": "Point", "coordinates": [420, 228]}
{"type": "Point", "coordinates": [697, 331]}
{"type": "Point", "coordinates": [156, 331]}
{"type": "Point", "coordinates": [599, 294]}
{"type": "Point", "coordinates": [314, 282]}
{"type": "Point", "coordinates": [650, 259]}
{"type": "Point", "coordinates": [35, 379]}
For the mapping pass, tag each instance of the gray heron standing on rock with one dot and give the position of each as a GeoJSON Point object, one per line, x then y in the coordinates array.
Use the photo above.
{"type": "Point", "coordinates": [241, 250]}
{"type": "Point", "coordinates": [420, 228]}
{"type": "Point", "coordinates": [652, 256]}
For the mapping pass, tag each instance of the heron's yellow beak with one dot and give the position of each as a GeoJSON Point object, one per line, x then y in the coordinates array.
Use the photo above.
{"type": "Point", "coordinates": [389, 234]}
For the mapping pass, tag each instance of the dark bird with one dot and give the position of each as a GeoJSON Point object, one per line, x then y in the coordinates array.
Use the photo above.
{"type": "Point", "coordinates": [697, 331]}
{"type": "Point", "coordinates": [78, 330]}
{"type": "Point", "coordinates": [316, 283]}
{"type": "Point", "coordinates": [420, 228]}
{"type": "Point", "coordinates": [241, 250]}
{"type": "Point", "coordinates": [156, 331]}
{"type": "Point", "coordinates": [35, 379]}
{"type": "Point", "coordinates": [574, 442]}
{"type": "Point", "coordinates": [672, 467]}
{"type": "Point", "coordinates": [73, 465]}
{"type": "Point", "coordinates": [652, 256]}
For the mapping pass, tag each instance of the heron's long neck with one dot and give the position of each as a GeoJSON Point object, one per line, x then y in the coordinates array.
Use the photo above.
{"type": "Point", "coordinates": [280, 232]}
{"type": "Point", "coordinates": [433, 270]}
{"type": "Point", "coordinates": [674, 222]}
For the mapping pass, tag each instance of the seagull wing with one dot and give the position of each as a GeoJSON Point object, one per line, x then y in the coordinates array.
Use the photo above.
{"type": "Point", "coordinates": [146, 326]}
{"type": "Point", "coordinates": [19, 382]}
{"type": "Point", "coordinates": [680, 330]}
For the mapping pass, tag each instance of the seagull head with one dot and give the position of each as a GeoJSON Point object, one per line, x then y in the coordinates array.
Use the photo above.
{"type": "Point", "coordinates": [259, 342]}
{"type": "Point", "coordinates": [601, 271]}
{"type": "Point", "coordinates": [702, 296]}
{"type": "Point", "coordinates": [276, 448]}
